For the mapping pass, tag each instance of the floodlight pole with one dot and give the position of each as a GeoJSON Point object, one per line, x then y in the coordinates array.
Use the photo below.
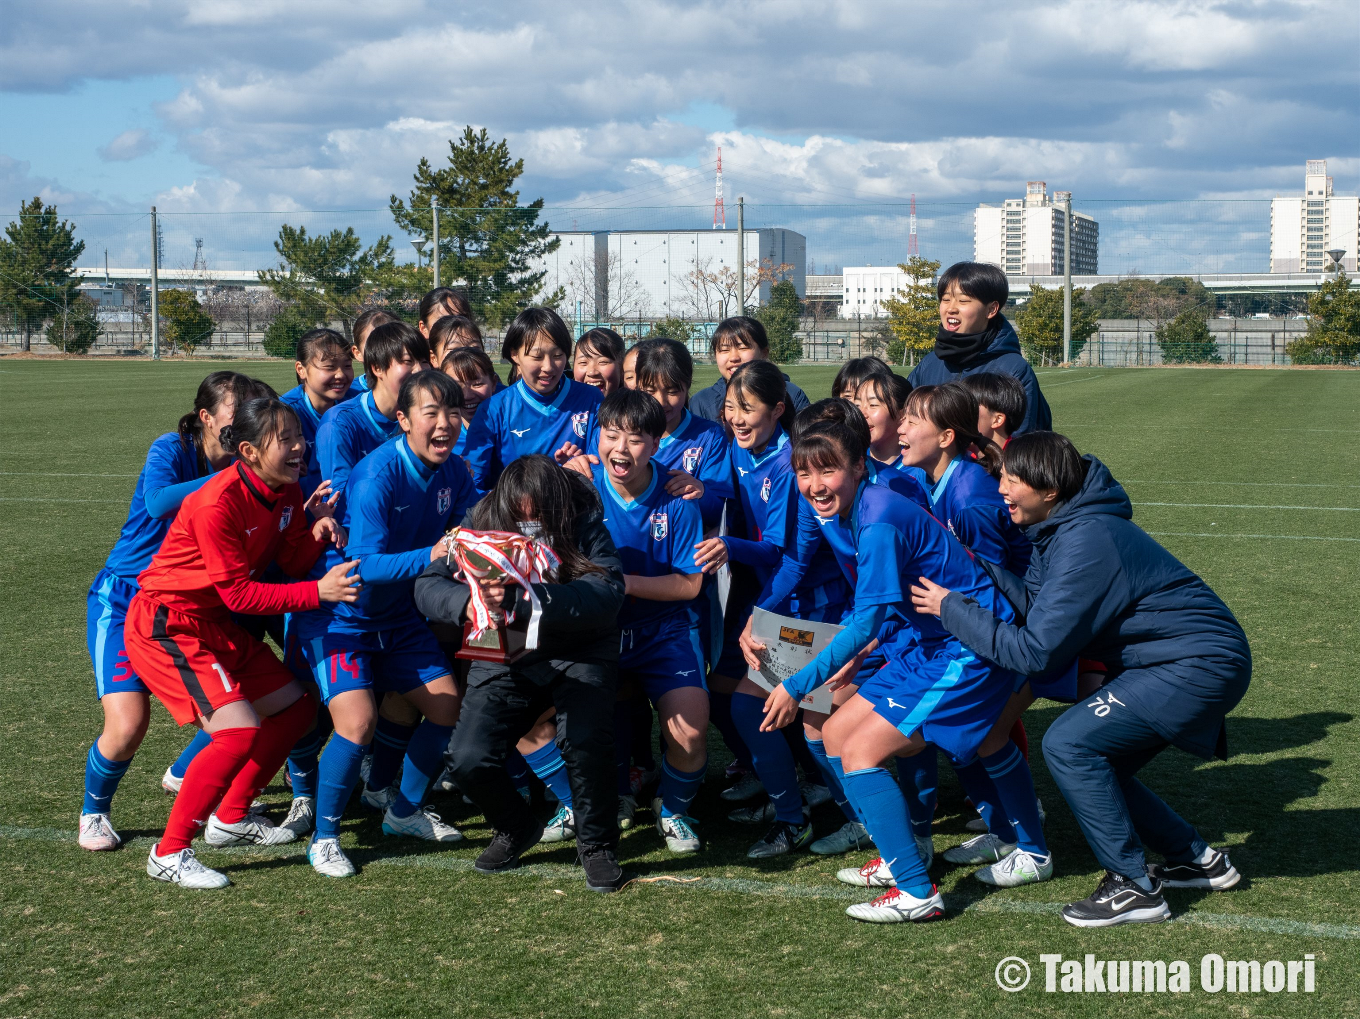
{"type": "Point", "coordinates": [1067, 281]}
{"type": "Point", "coordinates": [155, 289]}
{"type": "Point", "coordinates": [741, 254]}
{"type": "Point", "coordinates": [434, 237]}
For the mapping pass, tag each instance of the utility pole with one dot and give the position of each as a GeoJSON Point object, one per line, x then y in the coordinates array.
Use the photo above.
{"type": "Point", "coordinates": [434, 236]}
{"type": "Point", "coordinates": [1067, 279]}
{"type": "Point", "coordinates": [155, 288]}
{"type": "Point", "coordinates": [741, 253]}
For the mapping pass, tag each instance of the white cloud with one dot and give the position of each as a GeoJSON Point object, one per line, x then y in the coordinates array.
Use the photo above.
{"type": "Point", "coordinates": [127, 146]}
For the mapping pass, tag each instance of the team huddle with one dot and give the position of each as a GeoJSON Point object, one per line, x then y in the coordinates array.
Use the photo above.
{"type": "Point", "coordinates": [972, 559]}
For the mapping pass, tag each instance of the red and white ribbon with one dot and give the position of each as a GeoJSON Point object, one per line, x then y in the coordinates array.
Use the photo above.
{"type": "Point", "coordinates": [521, 560]}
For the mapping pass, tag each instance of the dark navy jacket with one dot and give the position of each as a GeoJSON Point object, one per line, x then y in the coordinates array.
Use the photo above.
{"type": "Point", "coordinates": [1100, 587]}
{"type": "Point", "coordinates": [1002, 357]}
{"type": "Point", "coordinates": [707, 403]}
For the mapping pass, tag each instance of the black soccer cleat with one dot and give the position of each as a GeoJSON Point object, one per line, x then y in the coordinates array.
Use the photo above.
{"type": "Point", "coordinates": [505, 850]}
{"type": "Point", "coordinates": [603, 873]}
{"type": "Point", "coordinates": [1118, 900]}
{"type": "Point", "coordinates": [1217, 875]}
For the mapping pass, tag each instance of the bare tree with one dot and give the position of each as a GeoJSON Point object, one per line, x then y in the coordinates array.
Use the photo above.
{"type": "Point", "coordinates": [712, 293]}
{"type": "Point", "coordinates": [607, 286]}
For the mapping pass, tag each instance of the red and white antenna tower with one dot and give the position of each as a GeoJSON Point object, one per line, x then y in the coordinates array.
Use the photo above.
{"type": "Point", "coordinates": [719, 213]}
{"type": "Point", "coordinates": [912, 250]}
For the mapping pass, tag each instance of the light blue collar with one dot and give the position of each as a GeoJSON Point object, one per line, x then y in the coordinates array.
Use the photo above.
{"type": "Point", "coordinates": [535, 403]}
{"type": "Point", "coordinates": [778, 441]}
{"type": "Point", "coordinates": [628, 505]}
{"type": "Point", "coordinates": [415, 467]}
{"type": "Point", "coordinates": [666, 440]}
{"type": "Point", "coordinates": [936, 491]}
{"type": "Point", "coordinates": [382, 424]}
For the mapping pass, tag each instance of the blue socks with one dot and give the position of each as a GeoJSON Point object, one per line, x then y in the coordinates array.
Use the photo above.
{"type": "Point", "coordinates": [337, 775]}
{"type": "Point", "coordinates": [518, 770]}
{"type": "Point", "coordinates": [884, 808]}
{"type": "Point", "coordinates": [983, 792]}
{"type": "Point", "coordinates": [201, 739]}
{"type": "Point", "coordinates": [548, 765]}
{"type": "Point", "coordinates": [302, 763]}
{"type": "Point", "coordinates": [101, 780]}
{"type": "Point", "coordinates": [833, 778]}
{"type": "Point", "coordinates": [771, 758]}
{"type": "Point", "coordinates": [424, 762]}
{"type": "Point", "coordinates": [1010, 774]}
{"type": "Point", "coordinates": [919, 777]}
{"type": "Point", "coordinates": [389, 747]}
{"type": "Point", "coordinates": [678, 788]}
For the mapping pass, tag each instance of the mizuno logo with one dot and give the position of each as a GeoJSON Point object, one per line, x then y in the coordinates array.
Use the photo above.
{"type": "Point", "coordinates": [329, 818]}
{"type": "Point", "coordinates": [252, 530]}
{"type": "Point", "coordinates": [893, 704]}
{"type": "Point", "coordinates": [521, 432]}
{"type": "Point", "coordinates": [400, 508]}
{"type": "Point", "coordinates": [775, 796]}
{"type": "Point", "coordinates": [743, 471]}
{"type": "Point", "coordinates": [685, 672]}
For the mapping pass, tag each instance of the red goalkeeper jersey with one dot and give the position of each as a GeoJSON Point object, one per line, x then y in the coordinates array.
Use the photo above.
{"type": "Point", "coordinates": [226, 533]}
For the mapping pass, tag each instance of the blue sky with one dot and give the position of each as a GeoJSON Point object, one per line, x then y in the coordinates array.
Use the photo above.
{"type": "Point", "coordinates": [228, 110]}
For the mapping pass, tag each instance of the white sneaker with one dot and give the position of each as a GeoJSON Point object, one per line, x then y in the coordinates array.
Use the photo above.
{"type": "Point", "coordinates": [365, 767]}
{"type": "Point", "coordinates": [1019, 868]}
{"type": "Point", "coordinates": [301, 817]}
{"type": "Point", "coordinates": [978, 824]}
{"type": "Point", "coordinates": [183, 869]}
{"type": "Point", "coordinates": [874, 874]}
{"type": "Point", "coordinates": [814, 793]}
{"type": "Point", "coordinates": [423, 824]}
{"type": "Point", "coordinates": [851, 835]}
{"type": "Point", "coordinates": [328, 859]}
{"type": "Point", "coordinates": [986, 848]}
{"type": "Point", "coordinates": [96, 833]}
{"type": "Point", "coordinates": [679, 833]}
{"type": "Point", "coordinates": [170, 783]}
{"type": "Point", "coordinates": [745, 788]}
{"type": "Point", "coordinates": [255, 830]}
{"type": "Point", "coordinates": [379, 799]}
{"type": "Point", "coordinates": [627, 808]}
{"type": "Point", "coordinates": [896, 906]}
{"type": "Point", "coordinates": [562, 827]}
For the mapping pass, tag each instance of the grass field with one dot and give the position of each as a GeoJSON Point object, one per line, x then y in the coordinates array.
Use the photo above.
{"type": "Point", "coordinates": [1250, 477]}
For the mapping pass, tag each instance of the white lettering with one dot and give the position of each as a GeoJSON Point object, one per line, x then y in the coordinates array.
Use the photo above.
{"type": "Point", "coordinates": [1095, 975]}
{"type": "Point", "coordinates": [1211, 973]}
{"type": "Point", "coordinates": [1050, 971]}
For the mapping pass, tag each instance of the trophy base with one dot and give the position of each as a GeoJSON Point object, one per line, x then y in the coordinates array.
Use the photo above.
{"type": "Point", "coordinates": [498, 644]}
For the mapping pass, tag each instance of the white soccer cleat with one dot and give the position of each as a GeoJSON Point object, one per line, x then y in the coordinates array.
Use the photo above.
{"type": "Point", "coordinates": [874, 874]}
{"type": "Point", "coordinates": [679, 833]}
{"type": "Point", "coordinates": [851, 835]}
{"type": "Point", "coordinates": [96, 833]}
{"type": "Point", "coordinates": [365, 766]}
{"type": "Point", "coordinates": [254, 830]}
{"type": "Point", "coordinates": [170, 783]}
{"type": "Point", "coordinates": [423, 824]}
{"type": "Point", "coordinates": [627, 808]}
{"type": "Point", "coordinates": [986, 848]}
{"type": "Point", "coordinates": [379, 799]}
{"type": "Point", "coordinates": [328, 859]}
{"type": "Point", "coordinates": [1019, 868]}
{"type": "Point", "coordinates": [814, 793]}
{"type": "Point", "coordinates": [896, 906]}
{"type": "Point", "coordinates": [301, 817]}
{"type": "Point", "coordinates": [183, 869]}
{"type": "Point", "coordinates": [562, 827]}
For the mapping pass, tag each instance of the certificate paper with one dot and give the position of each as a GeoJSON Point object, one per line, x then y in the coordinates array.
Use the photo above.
{"type": "Point", "coordinates": [789, 645]}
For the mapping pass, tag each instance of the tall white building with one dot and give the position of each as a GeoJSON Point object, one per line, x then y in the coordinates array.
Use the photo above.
{"type": "Point", "coordinates": [1303, 228]}
{"type": "Point", "coordinates": [655, 273]}
{"type": "Point", "coordinates": [868, 286]}
{"type": "Point", "coordinates": [1025, 235]}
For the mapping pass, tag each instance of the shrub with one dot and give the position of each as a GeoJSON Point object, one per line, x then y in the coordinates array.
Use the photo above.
{"type": "Point", "coordinates": [281, 338]}
{"type": "Point", "coordinates": [74, 329]}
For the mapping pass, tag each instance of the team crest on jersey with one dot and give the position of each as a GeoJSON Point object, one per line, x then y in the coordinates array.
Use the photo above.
{"type": "Point", "coordinates": [285, 518]}
{"type": "Point", "coordinates": [765, 491]}
{"type": "Point", "coordinates": [689, 459]}
{"type": "Point", "coordinates": [578, 423]}
{"type": "Point", "coordinates": [445, 499]}
{"type": "Point", "coordinates": [660, 526]}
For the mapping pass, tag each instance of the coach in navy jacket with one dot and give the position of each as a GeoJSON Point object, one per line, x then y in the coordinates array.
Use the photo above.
{"type": "Point", "coordinates": [1100, 587]}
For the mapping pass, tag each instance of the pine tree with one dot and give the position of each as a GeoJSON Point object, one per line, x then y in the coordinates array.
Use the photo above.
{"type": "Point", "coordinates": [326, 277]}
{"type": "Point", "coordinates": [187, 325]}
{"type": "Point", "coordinates": [780, 319]}
{"type": "Point", "coordinates": [37, 255]}
{"type": "Point", "coordinates": [488, 242]}
{"type": "Point", "coordinates": [1333, 335]}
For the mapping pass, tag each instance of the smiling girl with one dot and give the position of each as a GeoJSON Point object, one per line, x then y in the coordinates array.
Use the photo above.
{"type": "Point", "coordinates": [598, 360]}
{"type": "Point", "coordinates": [325, 375]}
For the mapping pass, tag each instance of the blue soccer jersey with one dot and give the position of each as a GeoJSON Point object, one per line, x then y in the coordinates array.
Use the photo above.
{"type": "Point", "coordinates": [348, 432]}
{"type": "Point", "coordinates": [310, 421]}
{"type": "Point", "coordinates": [767, 504]}
{"type": "Point", "coordinates": [911, 482]}
{"type": "Point", "coordinates": [166, 478]}
{"type": "Point", "coordinates": [809, 583]}
{"type": "Point", "coordinates": [699, 448]}
{"type": "Point", "coordinates": [655, 535]}
{"type": "Point", "coordinates": [968, 501]}
{"type": "Point", "coordinates": [516, 422]}
{"type": "Point", "coordinates": [396, 510]}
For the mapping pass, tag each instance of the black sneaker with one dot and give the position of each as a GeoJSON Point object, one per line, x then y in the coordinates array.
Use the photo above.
{"type": "Point", "coordinates": [1218, 874]}
{"type": "Point", "coordinates": [780, 839]}
{"type": "Point", "coordinates": [603, 873]}
{"type": "Point", "coordinates": [1118, 900]}
{"type": "Point", "coordinates": [505, 850]}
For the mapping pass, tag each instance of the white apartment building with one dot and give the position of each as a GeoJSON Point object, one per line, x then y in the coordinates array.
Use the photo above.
{"type": "Point", "coordinates": [1303, 228]}
{"type": "Point", "coordinates": [655, 273]}
{"type": "Point", "coordinates": [1025, 235]}
{"type": "Point", "coordinates": [866, 287]}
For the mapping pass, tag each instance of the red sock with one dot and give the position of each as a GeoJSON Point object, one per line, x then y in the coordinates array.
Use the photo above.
{"type": "Point", "coordinates": [276, 737]}
{"type": "Point", "coordinates": [1019, 738]}
{"type": "Point", "coordinates": [207, 778]}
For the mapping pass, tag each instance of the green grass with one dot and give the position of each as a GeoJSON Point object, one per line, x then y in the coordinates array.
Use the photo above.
{"type": "Point", "coordinates": [1263, 453]}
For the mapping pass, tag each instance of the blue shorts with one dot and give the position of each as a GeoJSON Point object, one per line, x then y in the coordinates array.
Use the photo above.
{"type": "Point", "coordinates": [399, 659]}
{"type": "Point", "coordinates": [948, 694]}
{"type": "Point", "coordinates": [105, 610]}
{"type": "Point", "coordinates": [663, 656]}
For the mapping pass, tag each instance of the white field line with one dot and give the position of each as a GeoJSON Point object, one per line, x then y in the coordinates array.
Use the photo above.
{"type": "Point", "coordinates": [53, 474]}
{"type": "Point", "coordinates": [1240, 484]}
{"type": "Point", "coordinates": [741, 886]}
{"type": "Point", "coordinates": [1249, 505]}
{"type": "Point", "coordinates": [1231, 534]}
